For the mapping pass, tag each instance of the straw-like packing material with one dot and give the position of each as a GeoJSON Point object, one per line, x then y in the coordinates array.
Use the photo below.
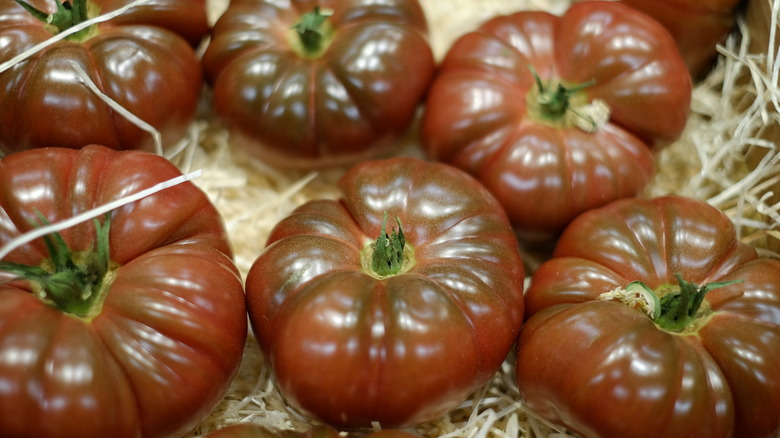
{"type": "Point", "coordinates": [714, 161]}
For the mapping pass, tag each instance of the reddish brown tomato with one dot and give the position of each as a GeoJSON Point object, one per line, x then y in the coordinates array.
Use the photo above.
{"type": "Point", "coordinates": [532, 143]}
{"type": "Point", "coordinates": [605, 369]}
{"type": "Point", "coordinates": [143, 59]}
{"type": "Point", "coordinates": [697, 26]}
{"type": "Point", "coordinates": [334, 95]}
{"type": "Point", "coordinates": [351, 346]}
{"type": "Point", "coordinates": [153, 348]}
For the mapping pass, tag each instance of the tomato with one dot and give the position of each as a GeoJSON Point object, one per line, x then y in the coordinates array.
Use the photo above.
{"type": "Point", "coordinates": [143, 59]}
{"type": "Point", "coordinates": [696, 25]}
{"type": "Point", "coordinates": [392, 319]}
{"type": "Point", "coordinates": [544, 145]}
{"type": "Point", "coordinates": [143, 343]}
{"type": "Point", "coordinates": [248, 430]}
{"type": "Point", "coordinates": [703, 365]}
{"type": "Point", "coordinates": [304, 89]}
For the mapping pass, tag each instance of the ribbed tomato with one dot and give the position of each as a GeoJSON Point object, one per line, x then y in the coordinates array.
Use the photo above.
{"type": "Point", "coordinates": [362, 324]}
{"type": "Point", "coordinates": [558, 114]}
{"type": "Point", "coordinates": [689, 351]}
{"type": "Point", "coordinates": [143, 59]}
{"type": "Point", "coordinates": [304, 83]}
{"type": "Point", "coordinates": [133, 327]}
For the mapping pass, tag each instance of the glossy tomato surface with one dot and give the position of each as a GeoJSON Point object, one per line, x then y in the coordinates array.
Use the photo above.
{"type": "Point", "coordinates": [360, 88]}
{"type": "Point", "coordinates": [546, 160]}
{"type": "Point", "coordinates": [158, 347]}
{"type": "Point", "coordinates": [605, 369]}
{"type": "Point", "coordinates": [350, 346]}
{"type": "Point", "coordinates": [697, 26]}
{"type": "Point", "coordinates": [144, 60]}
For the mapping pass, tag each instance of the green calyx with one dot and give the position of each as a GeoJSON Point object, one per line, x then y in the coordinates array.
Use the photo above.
{"type": "Point", "coordinates": [679, 307]}
{"type": "Point", "coordinates": [312, 35]}
{"type": "Point", "coordinates": [389, 254]}
{"type": "Point", "coordinates": [75, 283]}
{"type": "Point", "coordinates": [679, 310]}
{"type": "Point", "coordinates": [551, 102]}
{"type": "Point", "coordinates": [68, 14]}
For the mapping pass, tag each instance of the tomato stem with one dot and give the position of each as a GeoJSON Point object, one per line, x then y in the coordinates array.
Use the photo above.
{"type": "Point", "coordinates": [388, 255]}
{"type": "Point", "coordinates": [68, 15]}
{"type": "Point", "coordinates": [69, 284]}
{"type": "Point", "coordinates": [553, 103]}
{"type": "Point", "coordinates": [313, 32]}
{"type": "Point", "coordinates": [679, 309]}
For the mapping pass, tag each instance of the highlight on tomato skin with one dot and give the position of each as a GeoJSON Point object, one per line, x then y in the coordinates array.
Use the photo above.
{"type": "Point", "coordinates": [697, 27]}
{"type": "Point", "coordinates": [302, 84]}
{"type": "Point", "coordinates": [653, 319]}
{"type": "Point", "coordinates": [144, 60]}
{"type": "Point", "coordinates": [133, 324]}
{"type": "Point", "coordinates": [556, 115]}
{"type": "Point", "coordinates": [393, 303]}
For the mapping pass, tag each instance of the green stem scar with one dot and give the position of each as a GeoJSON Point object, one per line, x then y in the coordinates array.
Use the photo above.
{"type": "Point", "coordinates": [313, 33]}
{"type": "Point", "coordinates": [74, 283]}
{"type": "Point", "coordinates": [562, 106]}
{"type": "Point", "coordinates": [389, 254]}
{"type": "Point", "coordinates": [68, 14]}
{"type": "Point", "coordinates": [672, 308]}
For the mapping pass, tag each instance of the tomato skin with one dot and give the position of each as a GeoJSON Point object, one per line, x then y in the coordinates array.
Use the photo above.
{"type": "Point", "coordinates": [144, 60]}
{"type": "Point", "coordinates": [337, 108]}
{"type": "Point", "coordinates": [169, 337]}
{"type": "Point", "coordinates": [604, 369]}
{"type": "Point", "coordinates": [480, 112]}
{"type": "Point", "coordinates": [696, 25]}
{"type": "Point", "coordinates": [350, 348]}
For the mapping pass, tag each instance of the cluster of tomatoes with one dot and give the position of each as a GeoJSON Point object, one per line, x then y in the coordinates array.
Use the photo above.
{"type": "Point", "coordinates": [394, 303]}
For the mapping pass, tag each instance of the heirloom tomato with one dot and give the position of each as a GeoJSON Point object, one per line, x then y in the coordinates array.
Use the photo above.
{"type": "Point", "coordinates": [133, 326]}
{"type": "Point", "coordinates": [303, 83]}
{"type": "Point", "coordinates": [557, 115]}
{"type": "Point", "coordinates": [393, 303]}
{"type": "Point", "coordinates": [143, 59]}
{"type": "Point", "coordinates": [696, 25]}
{"type": "Point", "coordinates": [653, 320]}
